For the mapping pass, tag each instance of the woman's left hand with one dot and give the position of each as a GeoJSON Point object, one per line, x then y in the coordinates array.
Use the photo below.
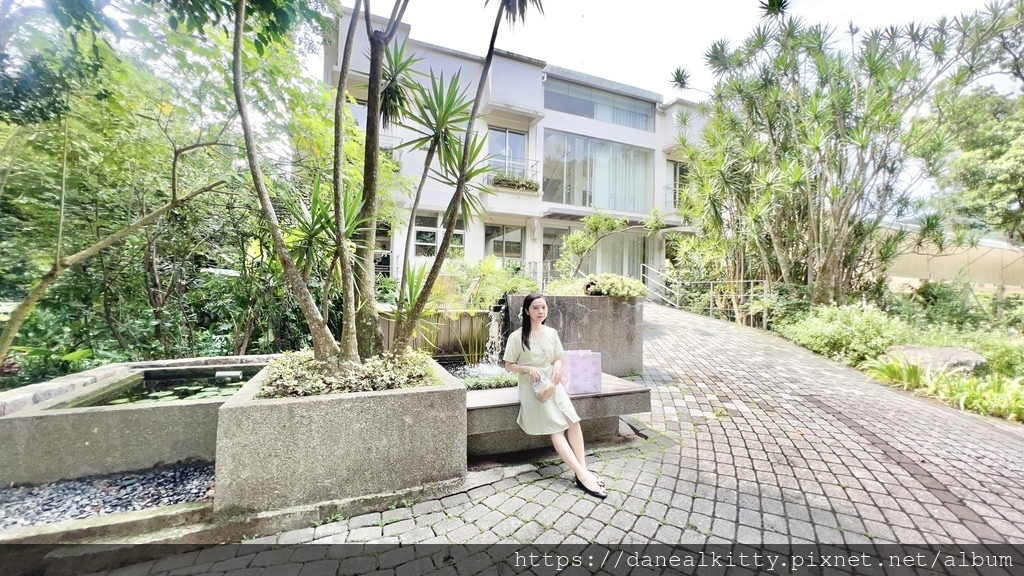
{"type": "Point", "coordinates": [556, 377]}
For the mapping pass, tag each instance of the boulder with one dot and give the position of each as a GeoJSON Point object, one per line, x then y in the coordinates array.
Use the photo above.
{"type": "Point", "coordinates": [937, 358]}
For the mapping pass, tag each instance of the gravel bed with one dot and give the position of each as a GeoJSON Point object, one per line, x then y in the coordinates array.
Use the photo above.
{"type": "Point", "coordinates": [22, 506]}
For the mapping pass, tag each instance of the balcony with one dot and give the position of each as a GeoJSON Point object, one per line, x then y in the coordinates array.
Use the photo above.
{"type": "Point", "coordinates": [519, 174]}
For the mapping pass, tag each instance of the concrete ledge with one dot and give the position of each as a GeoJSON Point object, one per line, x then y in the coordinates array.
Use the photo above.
{"type": "Point", "coordinates": [285, 452]}
{"type": "Point", "coordinates": [17, 399]}
{"type": "Point", "coordinates": [491, 415]}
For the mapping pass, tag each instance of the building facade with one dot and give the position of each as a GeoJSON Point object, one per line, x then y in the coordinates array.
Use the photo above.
{"type": "Point", "coordinates": [561, 144]}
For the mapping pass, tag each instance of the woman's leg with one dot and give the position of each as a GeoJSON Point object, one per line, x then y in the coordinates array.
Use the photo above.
{"type": "Point", "coordinates": [576, 441]}
{"type": "Point", "coordinates": [579, 468]}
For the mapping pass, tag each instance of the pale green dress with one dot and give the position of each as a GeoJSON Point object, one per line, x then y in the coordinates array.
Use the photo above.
{"type": "Point", "coordinates": [535, 417]}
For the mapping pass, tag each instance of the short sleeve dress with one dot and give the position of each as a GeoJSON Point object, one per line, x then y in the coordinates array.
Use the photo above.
{"type": "Point", "coordinates": [535, 417]}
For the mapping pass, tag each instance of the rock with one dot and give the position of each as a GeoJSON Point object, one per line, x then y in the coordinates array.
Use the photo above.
{"type": "Point", "coordinates": [936, 359]}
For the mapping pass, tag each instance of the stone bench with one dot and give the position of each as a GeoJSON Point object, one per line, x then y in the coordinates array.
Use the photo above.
{"type": "Point", "coordinates": [491, 415]}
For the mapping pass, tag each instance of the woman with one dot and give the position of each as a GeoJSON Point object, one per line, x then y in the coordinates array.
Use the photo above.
{"type": "Point", "coordinates": [534, 352]}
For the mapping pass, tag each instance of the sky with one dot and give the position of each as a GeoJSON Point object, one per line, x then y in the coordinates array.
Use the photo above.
{"type": "Point", "coordinates": [641, 42]}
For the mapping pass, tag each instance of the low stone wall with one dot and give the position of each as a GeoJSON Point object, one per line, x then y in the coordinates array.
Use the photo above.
{"type": "Point", "coordinates": [284, 452]}
{"type": "Point", "coordinates": [40, 445]}
{"type": "Point", "coordinates": [611, 326]}
{"type": "Point", "coordinates": [12, 401]}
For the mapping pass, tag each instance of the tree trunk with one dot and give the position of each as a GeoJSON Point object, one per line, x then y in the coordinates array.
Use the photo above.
{"type": "Point", "coordinates": [325, 347]}
{"type": "Point", "coordinates": [412, 223]}
{"type": "Point", "coordinates": [349, 340]}
{"type": "Point", "coordinates": [371, 339]}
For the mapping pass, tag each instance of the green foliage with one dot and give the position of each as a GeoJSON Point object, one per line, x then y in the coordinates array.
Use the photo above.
{"type": "Point", "coordinates": [992, 395]}
{"type": "Point", "coordinates": [514, 181]}
{"type": "Point", "coordinates": [387, 289]}
{"type": "Point", "coordinates": [578, 245]}
{"type": "Point", "coordinates": [566, 287]}
{"type": "Point", "coordinates": [481, 284]}
{"type": "Point", "coordinates": [984, 184]}
{"type": "Point", "coordinates": [849, 334]}
{"type": "Point", "coordinates": [948, 303]}
{"type": "Point", "coordinates": [491, 382]}
{"type": "Point", "coordinates": [299, 374]}
{"type": "Point", "coordinates": [806, 129]}
{"type": "Point", "coordinates": [615, 285]}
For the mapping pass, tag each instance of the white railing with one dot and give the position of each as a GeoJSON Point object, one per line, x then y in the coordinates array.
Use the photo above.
{"type": "Point", "coordinates": [740, 301]}
{"type": "Point", "coordinates": [672, 197]}
{"type": "Point", "coordinates": [513, 172]}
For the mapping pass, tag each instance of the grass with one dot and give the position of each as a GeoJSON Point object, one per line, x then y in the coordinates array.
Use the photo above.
{"type": "Point", "coordinates": [991, 395]}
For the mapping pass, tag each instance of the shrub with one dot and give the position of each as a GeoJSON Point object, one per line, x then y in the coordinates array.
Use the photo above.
{"type": "Point", "coordinates": [299, 374]}
{"type": "Point", "coordinates": [386, 289]}
{"type": "Point", "coordinates": [490, 382]}
{"type": "Point", "coordinates": [992, 395]}
{"type": "Point", "coordinates": [566, 287]}
{"type": "Point", "coordinates": [615, 286]}
{"type": "Point", "coordinates": [946, 303]}
{"type": "Point", "coordinates": [492, 280]}
{"type": "Point", "coordinates": [847, 334]}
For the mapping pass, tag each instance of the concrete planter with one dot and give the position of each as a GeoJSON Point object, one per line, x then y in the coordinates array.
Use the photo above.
{"type": "Point", "coordinates": [54, 440]}
{"type": "Point", "coordinates": [611, 326]}
{"type": "Point", "coordinates": [285, 452]}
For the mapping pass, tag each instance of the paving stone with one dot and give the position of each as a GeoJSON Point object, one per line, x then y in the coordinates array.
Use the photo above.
{"type": "Point", "coordinates": [283, 570]}
{"type": "Point", "coordinates": [389, 516]}
{"type": "Point", "coordinates": [272, 558]}
{"type": "Point", "coordinates": [364, 520]}
{"type": "Point", "coordinates": [320, 568]}
{"type": "Point", "coordinates": [296, 536]}
{"type": "Point", "coordinates": [304, 554]}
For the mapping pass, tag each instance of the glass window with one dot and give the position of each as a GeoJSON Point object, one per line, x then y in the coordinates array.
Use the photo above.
{"type": "Point", "coordinates": [505, 242]}
{"type": "Point", "coordinates": [507, 149]}
{"type": "Point", "coordinates": [583, 171]}
{"type": "Point", "coordinates": [429, 231]}
{"type": "Point", "coordinates": [598, 104]}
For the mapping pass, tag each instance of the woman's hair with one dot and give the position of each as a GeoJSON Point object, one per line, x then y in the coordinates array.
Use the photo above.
{"type": "Point", "coordinates": [526, 318]}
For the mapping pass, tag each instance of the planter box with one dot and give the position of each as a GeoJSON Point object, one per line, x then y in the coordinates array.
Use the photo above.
{"type": "Point", "coordinates": [611, 326]}
{"type": "Point", "coordinates": [284, 452]}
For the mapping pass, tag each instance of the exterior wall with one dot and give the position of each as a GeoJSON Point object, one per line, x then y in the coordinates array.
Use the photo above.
{"type": "Point", "coordinates": [514, 99]}
{"type": "Point", "coordinates": [991, 262]}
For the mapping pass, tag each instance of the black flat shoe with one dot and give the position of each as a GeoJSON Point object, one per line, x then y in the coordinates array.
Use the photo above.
{"type": "Point", "coordinates": [600, 493]}
{"type": "Point", "coordinates": [599, 481]}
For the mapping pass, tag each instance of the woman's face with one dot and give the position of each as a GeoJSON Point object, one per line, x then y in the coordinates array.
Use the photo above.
{"type": "Point", "coordinates": [538, 311]}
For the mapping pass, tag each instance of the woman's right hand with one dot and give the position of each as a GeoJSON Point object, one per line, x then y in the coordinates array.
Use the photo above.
{"type": "Point", "coordinates": [534, 373]}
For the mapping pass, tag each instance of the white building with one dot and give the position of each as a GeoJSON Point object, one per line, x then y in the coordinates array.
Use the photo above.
{"type": "Point", "coordinates": [586, 143]}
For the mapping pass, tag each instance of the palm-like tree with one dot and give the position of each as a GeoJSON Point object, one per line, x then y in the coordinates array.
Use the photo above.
{"type": "Point", "coordinates": [512, 11]}
{"type": "Point", "coordinates": [439, 114]}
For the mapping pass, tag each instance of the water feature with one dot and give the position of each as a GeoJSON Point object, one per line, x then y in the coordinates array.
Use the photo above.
{"type": "Point", "coordinates": [170, 384]}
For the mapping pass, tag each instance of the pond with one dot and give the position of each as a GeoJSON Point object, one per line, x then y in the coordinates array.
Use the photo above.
{"type": "Point", "coordinates": [170, 384]}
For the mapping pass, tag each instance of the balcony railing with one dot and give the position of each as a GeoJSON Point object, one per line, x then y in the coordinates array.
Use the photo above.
{"type": "Point", "coordinates": [672, 197]}
{"type": "Point", "coordinates": [516, 173]}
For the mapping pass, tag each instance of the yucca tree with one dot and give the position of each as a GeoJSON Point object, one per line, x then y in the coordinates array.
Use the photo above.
{"type": "Point", "coordinates": [438, 115]}
{"type": "Point", "coordinates": [808, 151]}
{"type": "Point", "coordinates": [512, 11]}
